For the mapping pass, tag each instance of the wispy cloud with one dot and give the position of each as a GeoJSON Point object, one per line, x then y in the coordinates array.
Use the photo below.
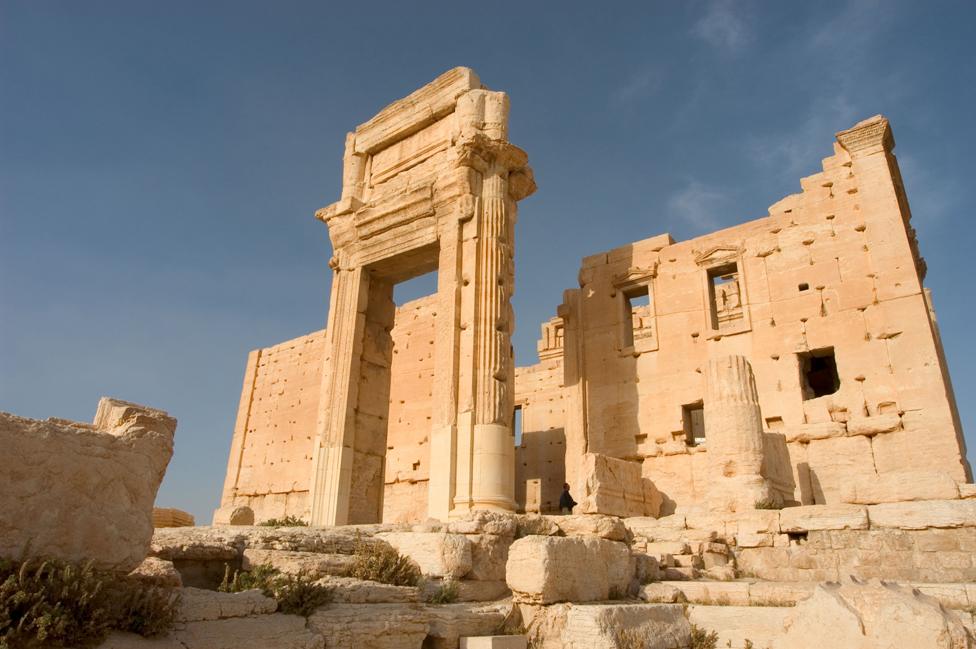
{"type": "Point", "coordinates": [645, 81]}
{"type": "Point", "coordinates": [932, 193]}
{"type": "Point", "coordinates": [723, 26]}
{"type": "Point", "coordinates": [699, 205]}
{"type": "Point", "coordinates": [799, 150]}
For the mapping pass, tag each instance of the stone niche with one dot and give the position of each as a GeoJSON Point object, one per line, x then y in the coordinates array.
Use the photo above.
{"type": "Point", "coordinates": [80, 491]}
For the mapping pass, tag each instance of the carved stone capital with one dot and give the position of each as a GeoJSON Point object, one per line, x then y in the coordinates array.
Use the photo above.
{"type": "Point", "coordinates": [869, 136]}
{"type": "Point", "coordinates": [485, 154]}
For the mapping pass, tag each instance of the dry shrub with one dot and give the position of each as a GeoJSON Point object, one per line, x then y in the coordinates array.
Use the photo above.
{"type": "Point", "coordinates": [295, 594]}
{"type": "Point", "coordinates": [380, 562]}
{"type": "Point", "coordinates": [54, 603]}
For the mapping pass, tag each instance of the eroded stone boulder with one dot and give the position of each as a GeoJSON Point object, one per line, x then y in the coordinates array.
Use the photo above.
{"type": "Point", "coordinates": [875, 615]}
{"type": "Point", "coordinates": [83, 491]}
{"type": "Point", "coordinates": [438, 554]}
{"type": "Point", "coordinates": [549, 569]}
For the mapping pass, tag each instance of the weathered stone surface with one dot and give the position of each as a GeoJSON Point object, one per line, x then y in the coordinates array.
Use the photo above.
{"type": "Point", "coordinates": [901, 486]}
{"type": "Point", "coordinates": [170, 517]}
{"type": "Point", "coordinates": [386, 626]}
{"type": "Point", "coordinates": [226, 543]}
{"type": "Point", "coordinates": [536, 525]}
{"type": "Point", "coordinates": [548, 569]}
{"type": "Point", "coordinates": [293, 562]}
{"type": "Point", "coordinates": [823, 517]}
{"type": "Point", "coordinates": [737, 624]}
{"type": "Point", "coordinates": [615, 487]}
{"type": "Point", "coordinates": [347, 590]}
{"type": "Point", "coordinates": [447, 623]}
{"type": "Point", "coordinates": [606, 527]}
{"type": "Point", "coordinates": [82, 492]}
{"type": "Point", "coordinates": [869, 616]}
{"type": "Point", "coordinates": [601, 626]}
{"type": "Point", "coordinates": [489, 553]}
{"type": "Point", "coordinates": [495, 642]}
{"type": "Point", "coordinates": [119, 640]}
{"type": "Point", "coordinates": [734, 429]}
{"type": "Point", "coordinates": [662, 593]}
{"type": "Point", "coordinates": [470, 590]}
{"type": "Point", "coordinates": [438, 554]}
{"type": "Point", "coordinates": [257, 632]}
{"type": "Point", "coordinates": [485, 522]}
{"type": "Point", "coordinates": [199, 604]}
{"type": "Point", "coordinates": [923, 514]}
{"type": "Point", "coordinates": [157, 572]}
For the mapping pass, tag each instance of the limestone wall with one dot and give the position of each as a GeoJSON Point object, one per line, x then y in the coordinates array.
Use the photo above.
{"type": "Point", "coordinates": [271, 462]}
{"type": "Point", "coordinates": [408, 437]}
{"type": "Point", "coordinates": [831, 277]}
{"type": "Point", "coordinates": [270, 458]}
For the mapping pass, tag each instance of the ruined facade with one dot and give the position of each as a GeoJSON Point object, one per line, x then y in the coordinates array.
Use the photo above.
{"type": "Point", "coordinates": [794, 359]}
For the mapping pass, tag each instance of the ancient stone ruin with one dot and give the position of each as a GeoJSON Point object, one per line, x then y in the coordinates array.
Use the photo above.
{"type": "Point", "coordinates": [757, 424]}
{"type": "Point", "coordinates": [790, 360]}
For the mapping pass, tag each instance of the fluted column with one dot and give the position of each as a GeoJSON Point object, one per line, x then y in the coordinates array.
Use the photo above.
{"type": "Point", "coordinates": [734, 436]}
{"type": "Point", "coordinates": [493, 448]}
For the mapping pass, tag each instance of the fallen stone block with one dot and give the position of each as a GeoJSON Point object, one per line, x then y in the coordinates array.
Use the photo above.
{"type": "Point", "coordinates": [923, 514]}
{"type": "Point", "coordinates": [198, 604]}
{"type": "Point", "coordinates": [823, 517]}
{"type": "Point", "coordinates": [869, 616]}
{"type": "Point", "coordinates": [346, 590]}
{"type": "Point", "coordinates": [615, 487]}
{"type": "Point", "coordinates": [606, 527]}
{"type": "Point", "coordinates": [901, 487]}
{"type": "Point", "coordinates": [609, 626]}
{"type": "Point", "coordinates": [312, 564]}
{"type": "Point", "coordinates": [385, 626]}
{"type": "Point", "coordinates": [83, 492]}
{"type": "Point", "coordinates": [436, 553]}
{"type": "Point", "coordinates": [157, 572]}
{"type": "Point", "coordinates": [548, 569]}
{"type": "Point", "coordinates": [257, 632]}
{"type": "Point", "coordinates": [737, 625]}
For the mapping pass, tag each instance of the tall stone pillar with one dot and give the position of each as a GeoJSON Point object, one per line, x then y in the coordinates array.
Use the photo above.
{"type": "Point", "coordinates": [734, 436]}
{"type": "Point", "coordinates": [486, 449]}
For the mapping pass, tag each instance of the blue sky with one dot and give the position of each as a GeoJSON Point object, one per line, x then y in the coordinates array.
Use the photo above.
{"type": "Point", "coordinates": [160, 163]}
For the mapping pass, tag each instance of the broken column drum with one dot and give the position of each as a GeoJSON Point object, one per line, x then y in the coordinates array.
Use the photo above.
{"type": "Point", "coordinates": [430, 183]}
{"type": "Point", "coordinates": [733, 428]}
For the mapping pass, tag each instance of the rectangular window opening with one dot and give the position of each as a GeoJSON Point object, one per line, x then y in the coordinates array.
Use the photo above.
{"type": "Point", "coordinates": [725, 296]}
{"type": "Point", "coordinates": [517, 425]}
{"type": "Point", "coordinates": [818, 373]}
{"type": "Point", "coordinates": [636, 316]}
{"type": "Point", "coordinates": [693, 418]}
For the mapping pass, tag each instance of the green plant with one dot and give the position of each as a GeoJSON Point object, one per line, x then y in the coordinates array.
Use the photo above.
{"type": "Point", "coordinates": [702, 639]}
{"type": "Point", "coordinates": [54, 603]}
{"type": "Point", "coordinates": [287, 521]}
{"type": "Point", "coordinates": [768, 503]}
{"type": "Point", "coordinates": [446, 593]}
{"type": "Point", "coordinates": [295, 594]}
{"type": "Point", "coordinates": [380, 562]}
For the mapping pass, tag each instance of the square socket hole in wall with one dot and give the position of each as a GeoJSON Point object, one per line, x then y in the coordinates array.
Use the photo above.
{"type": "Point", "coordinates": [818, 373]}
{"type": "Point", "coordinates": [803, 286]}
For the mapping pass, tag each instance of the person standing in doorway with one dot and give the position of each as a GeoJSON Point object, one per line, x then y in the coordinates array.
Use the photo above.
{"type": "Point", "coordinates": [566, 502]}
